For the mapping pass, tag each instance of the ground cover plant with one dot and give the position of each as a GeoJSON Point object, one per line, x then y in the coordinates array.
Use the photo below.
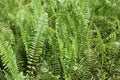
{"type": "Point", "coordinates": [60, 39]}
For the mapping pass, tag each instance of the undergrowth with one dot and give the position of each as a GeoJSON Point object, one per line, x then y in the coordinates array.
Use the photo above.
{"type": "Point", "coordinates": [60, 39]}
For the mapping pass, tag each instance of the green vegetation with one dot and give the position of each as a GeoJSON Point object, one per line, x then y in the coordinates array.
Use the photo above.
{"type": "Point", "coordinates": [60, 39]}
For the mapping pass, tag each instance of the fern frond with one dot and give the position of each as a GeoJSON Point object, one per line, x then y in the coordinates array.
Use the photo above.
{"type": "Point", "coordinates": [8, 59]}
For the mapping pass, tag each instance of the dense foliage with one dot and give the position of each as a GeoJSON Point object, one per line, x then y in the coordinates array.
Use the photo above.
{"type": "Point", "coordinates": [60, 39]}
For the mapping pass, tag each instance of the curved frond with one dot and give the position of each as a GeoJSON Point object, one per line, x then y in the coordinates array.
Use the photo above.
{"type": "Point", "coordinates": [7, 56]}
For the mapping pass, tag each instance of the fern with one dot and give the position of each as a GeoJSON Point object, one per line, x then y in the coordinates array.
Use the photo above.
{"type": "Point", "coordinates": [32, 34]}
{"type": "Point", "coordinates": [8, 57]}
